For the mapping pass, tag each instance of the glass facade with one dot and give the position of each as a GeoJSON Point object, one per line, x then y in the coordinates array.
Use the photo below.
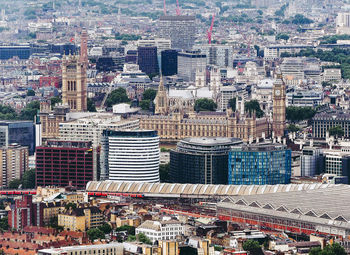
{"type": "Point", "coordinates": [259, 166]}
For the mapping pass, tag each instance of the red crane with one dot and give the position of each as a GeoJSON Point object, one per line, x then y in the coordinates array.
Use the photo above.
{"type": "Point", "coordinates": [210, 31]}
{"type": "Point", "coordinates": [178, 11]}
{"type": "Point", "coordinates": [164, 8]}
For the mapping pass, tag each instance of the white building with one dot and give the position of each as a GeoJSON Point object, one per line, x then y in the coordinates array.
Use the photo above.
{"type": "Point", "coordinates": [332, 74]}
{"type": "Point", "coordinates": [293, 70]}
{"type": "Point", "coordinates": [303, 98]}
{"type": "Point", "coordinates": [90, 128]}
{"type": "Point", "coordinates": [343, 23]}
{"type": "Point", "coordinates": [161, 230]}
{"type": "Point", "coordinates": [130, 155]}
{"type": "Point", "coordinates": [160, 43]}
{"type": "Point", "coordinates": [110, 249]}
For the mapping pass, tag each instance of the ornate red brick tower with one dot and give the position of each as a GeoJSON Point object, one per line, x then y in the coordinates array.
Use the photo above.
{"type": "Point", "coordinates": [83, 46]}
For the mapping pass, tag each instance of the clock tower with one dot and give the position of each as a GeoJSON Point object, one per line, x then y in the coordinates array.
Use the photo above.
{"type": "Point", "coordinates": [279, 107]}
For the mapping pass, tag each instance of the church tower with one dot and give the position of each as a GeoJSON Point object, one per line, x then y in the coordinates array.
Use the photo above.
{"type": "Point", "coordinates": [161, 100]}
{"type": "Point", "coordinates": [201, 79]}
{"type": "Point", "coordinates": [279, 107]}
{"type": "Point", "coordinates": [74, 80]}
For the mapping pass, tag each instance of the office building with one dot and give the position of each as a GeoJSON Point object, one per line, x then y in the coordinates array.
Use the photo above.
{"type": "Point", "coordinates": [305, 98]}
{"type": "Point", "coordinates": [113, 248]}
{"type": "Point", "coordinates": [130, 156]}
{"type": "Point", "coordinates": [161, 230]}
{"type": "Point", "coordinates": [61, 163]}
{"type": "Point", "coordinates": [343, 23]}
{"type": "Point", "coordinates": [188, 62]}
{"type": "Point", "coordinates": [90, 128]}
{"type": "Point", "coordinates": [169, 62]}
{"type": "Point", "coordinates": [229, 92]}
{"type": "Point", "coordinates": [160, 43]}
{"type": "Point", "coordinates": [259, 164]}
{"type": "Point", "coordinates": [14, 162]}
{"type": "Point", "coordinates": [20, 51]}
{"type": "Point", "coordinates": [293, 70]}
{"type": "Point", "coordinates": [110, 63]}
{"type": "Point", "coordinates": [322, 122]}
{"type": "Point", "coordinates": [337, 162]}
{"type": "Point", "coordinates": [332, 74]}
{"type": "Point", "coordinates": [201, 160]}
{"type": "Point", "coordinates": [311, 161]}
{"type": "Point", "coordinates": [217, 55]}
{"type": "Point", "coordinates": [180, 29]}
{"type": "Point", "coordinates": [147, 59]}
{"type": "Point", "coordinates": [18, 132]}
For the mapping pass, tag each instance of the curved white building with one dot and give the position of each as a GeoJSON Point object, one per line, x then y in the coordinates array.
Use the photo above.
{"type": "Point", "coordinates": [130, 156]}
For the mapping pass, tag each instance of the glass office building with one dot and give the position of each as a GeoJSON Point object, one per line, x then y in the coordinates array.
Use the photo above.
{"type": "Point", "coordinates": [260, 164]}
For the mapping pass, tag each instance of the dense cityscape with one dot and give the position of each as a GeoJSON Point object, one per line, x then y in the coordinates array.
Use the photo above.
{"type": "Point", "coordinates": [175, 127]}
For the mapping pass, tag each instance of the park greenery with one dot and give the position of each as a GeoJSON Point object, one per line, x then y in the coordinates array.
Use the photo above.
{"type": "Point", "coordinates": [27, 181]}
{"type": "Point", "coordinates": [27, 113]}
{"type": "Point", "coordinates": [127, 37]}
{"type": "Point", "coordinates": [130, 229]}
{"type": "Point", "coordinates": [117, 96]}
{"type": "Point", "coordinates": [253, 247]}
{"type": "Point", "coordinates": [295, 114]}
{"type": "Point", "coordinates": [332, 39]}
{"type": "Point", "coordinates": [204, 104]}
{"type": "Point", "coordinates": [95, 233]}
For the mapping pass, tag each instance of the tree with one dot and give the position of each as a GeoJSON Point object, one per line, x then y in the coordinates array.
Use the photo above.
{"type": "Point", "coordinates": [164, 172]}
{"type": "Point", "coordinates": [117, 96]}
{"type": "Point", "coordinates": [143, 238]}
{"type": "Point", "coordinates": [54, 101]}
{"type": "Point", "coordinates": [129, 229]}
{"type": "Point", "coordinates": [253, 247]}
{"type": "Point", "coordinates": [336, 131]}
{"type": "Point", "coordinates": [131, 238]}
{"type": "Point", "coordinates": [253, 106]}
{"type": "Point", "coordinates": [205, 104]}
{"type": "Point", "coordinates": [28, 179]}
{"type": "Point", "coordinates": [294, 113]}
{"type": "Point", "coordinates": [70, 205]}
{"type": "Point", "coordinates": [30, 111]}
{"type": "Point", "coordinates": [14, 184]}
{"type": "Point", "coordinates": [146, 104]}
{"type": "Point", "coordinates": [149, 94]}
{"type": "Point", "coordinates": [334, 249]}
{"type": "Point", "coordinates": [105, 228]}
{"type": "Point", "coordinates": [4, 225]}
{"type": "Point", "coordinates": [293, 128]}
{"type": "Point", "coordinates": [91, 105]}
{"type": "Point", "coordinates": [232, 104]}
{"type": "Point", "coordinates": [30, 93]}
{"type": "Point", "coordinates": [282, 36]}
{"type": "Point", "coordinates": [95, 233]}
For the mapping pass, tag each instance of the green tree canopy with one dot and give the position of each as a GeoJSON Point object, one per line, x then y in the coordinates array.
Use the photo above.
{"type": "Point", "coordinates": [232, 104]}
{"type": "Point", "coordinates": [254, 106]}
{"type": "Point", "coordinates": [91, 107]}
{"type": "Point", "coordinates": [30, 111]}
{"type": "Point", "coordinates": [54, 101]}
{"type": "Point", "coordinates": [105, 228]}
{"type": "Point", "coordinates": [95, 233]}
{"type": "Point", "coordinates": [335, 249]}
{"type": "Point", "coordinates": [205, 104]}
{"type": "Point", "coordinates": [28, 179]}
{"type": "Point", "coordinates": [30, 93]}
{"type": "Point", "coordinates": [294, 113]}
{"type": "Point", "coordinates": [293, 128]}
{"type": "Point", "coordinates": [149, 94]}
{"type": "Point", "coordinates": [253, 247]}
{"type": "Point", "coordinates": [14, 184]}
{"type": "Point", "coordinates": [4, 223]}
{"type": "Point", "coordinates": [282, 36]}
{"type": "Point", "coordinates": [164, 172]}
{"type": "Point", "coordinates": [129, 229]}
{"type": "Point", "coordinates": [143, 238]}
{"type": "Point", "coordinates": [336, 131]}
{"type": "Point", "coordinates": [117, 96]}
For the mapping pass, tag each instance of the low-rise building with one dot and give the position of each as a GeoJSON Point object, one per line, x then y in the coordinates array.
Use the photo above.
{"type": "Point", "coordinates": [161, 230]}
{"type": "Point", "coordinates": [80, 218]}
{"type": "Point", "coordinates": [110, 249]}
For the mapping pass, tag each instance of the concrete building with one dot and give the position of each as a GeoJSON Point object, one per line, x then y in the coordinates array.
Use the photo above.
{"type": "Point", "coordinates": [217, 55]}
{"type": "Point", "coordinates": [337, 162]}
{"type": "Point", "coordinates": [161, 230]}
{"type": "Point", "coordinates": [14, 162]}
{"type": "Point", "coordinates": [305, 98]}
{"type": "Point", "coordinates": [180, 29]}
{"type": "Point", "coordinates": [343, 23]}
{"type": "Point", "coordinates": [229, 92]}
{"type": "Point", "coordinates": [188, 62]}
{"type": "Point", "coordinates": [90, 128]}
{"type": "Point", "coordinates": [130, 156]}
{"type": "Point", "coordinates": [160, 43]}
{"type": "Point", "coordinates": [110, 249]}
{"type": "Point", "coordinates": [332, 74]}
{"type": "Point", "coordinates": [275, 51]}
{"type": "Point", "coordinates": [311, 161]}
{"type": "Point", "coordinates": [259, 164]}
{"type": "Point", "coordinates": [322, 122]}
{"type": "Point", "coordinates": [293, 70]}
{"type": "Point", "coordinates": [201, 160]}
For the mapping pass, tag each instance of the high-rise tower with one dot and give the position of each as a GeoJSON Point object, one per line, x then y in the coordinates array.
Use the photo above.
{"type": "Point", "coordinates": [74, 81]}
{"type": "Point", "coordinates": [279, 107]}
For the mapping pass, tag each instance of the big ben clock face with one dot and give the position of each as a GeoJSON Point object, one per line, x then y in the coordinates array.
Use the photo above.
{"type": "Point", "coordinates": [277, 92]}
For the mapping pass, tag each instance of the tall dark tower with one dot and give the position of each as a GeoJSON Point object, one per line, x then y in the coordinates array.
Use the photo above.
{"type": "Point", "coordinates": [279, 107]}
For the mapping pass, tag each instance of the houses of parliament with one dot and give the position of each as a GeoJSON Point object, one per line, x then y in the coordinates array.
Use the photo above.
{"type": "Point", "coordinates": [177, 124]}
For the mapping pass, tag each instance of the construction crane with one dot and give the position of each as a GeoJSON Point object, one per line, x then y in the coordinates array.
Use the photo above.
{"type": "Point", "coordinates": [164, 7]}
{"type": "Point", "coordinates": [210, 31]}
{"type": "Point", "coordinates": [178, 11]}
